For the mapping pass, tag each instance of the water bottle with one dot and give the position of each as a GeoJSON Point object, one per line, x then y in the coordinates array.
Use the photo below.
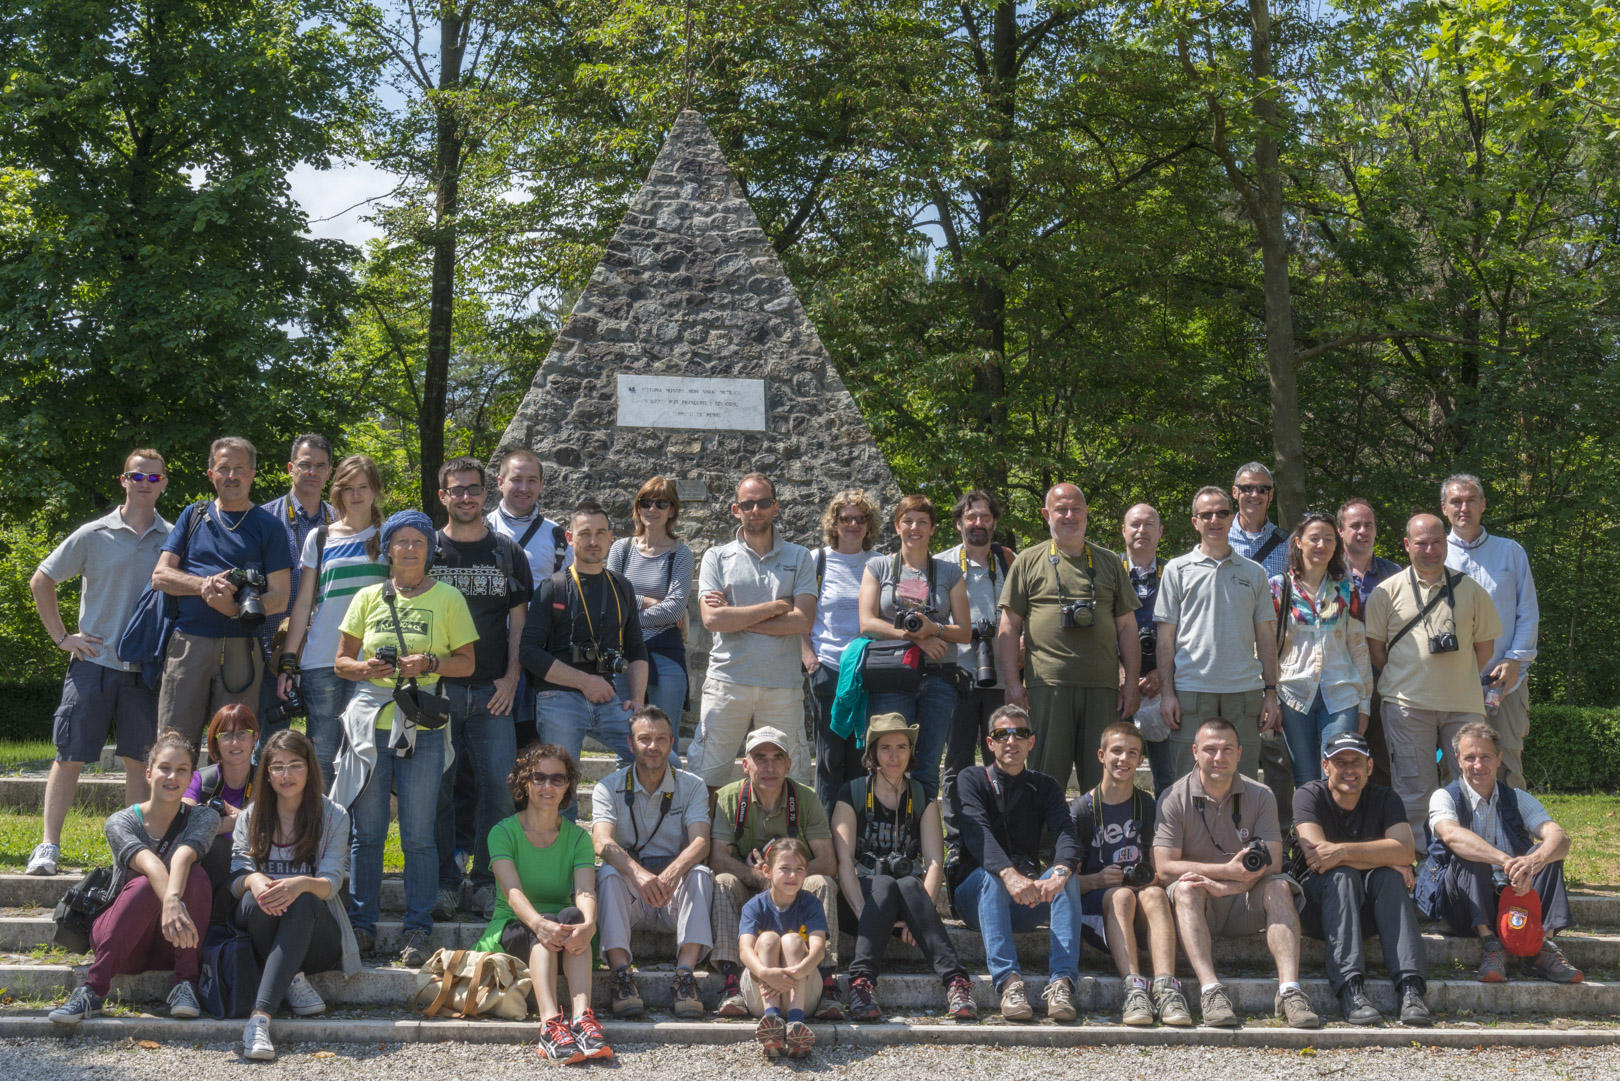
{"type": "Point", "coordinates": [1493, 696]}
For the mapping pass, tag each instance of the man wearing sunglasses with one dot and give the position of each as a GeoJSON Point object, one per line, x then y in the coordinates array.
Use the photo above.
{"type": "Point", "coordinates": [1007, 814]}
{"type": "Point", "coordinates": [115, 555]}
{"type": "Point", "coordinates": [1213, 606]}
{"type": "Point", "coordinates": [758, 599]}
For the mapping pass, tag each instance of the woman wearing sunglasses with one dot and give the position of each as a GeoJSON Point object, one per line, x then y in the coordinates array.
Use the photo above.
{"type": "Point", "coordinates": [545, 904]}
{"type": "Point", "coordinates": [658, 565]}
{"type": "Point", "coordinates": [290, 860]}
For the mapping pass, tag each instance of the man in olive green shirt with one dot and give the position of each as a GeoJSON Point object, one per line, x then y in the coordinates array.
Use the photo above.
{"type": "Point", "coordinates": [1071, 603]}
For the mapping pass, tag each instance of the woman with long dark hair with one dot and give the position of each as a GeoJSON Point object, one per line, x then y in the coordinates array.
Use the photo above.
{"type": "Point", "coordinates": [290, 860]}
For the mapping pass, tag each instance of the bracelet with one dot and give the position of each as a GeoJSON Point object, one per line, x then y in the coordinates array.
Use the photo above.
{"type": "Point", "coordinates": [287, 664]}
{"type": "Point", "coordinates": [65, 636]}
{"type": "Point", "coordinates": [433, 662]}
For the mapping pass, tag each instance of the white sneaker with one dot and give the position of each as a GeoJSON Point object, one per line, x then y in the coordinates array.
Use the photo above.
{"type": "Point", "coordinates": [304, 1000]}
{"type": "Point", "coordinates": [256, 1045]}
{"type": "Point", "coordinates": [43, 861]}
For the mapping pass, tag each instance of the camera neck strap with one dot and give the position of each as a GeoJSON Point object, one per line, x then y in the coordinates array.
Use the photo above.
{"type": "Point", "coordinates": [1054, 557]}
{"type": "Point", "coordinates": [630, 808]}
{"type": "Point", "coordinates": [899, 569]}
{"type": "Point", "coordinates": [1423, 613]}
{"type": "Point", "coordinates": [1237, 815]}
{"type": "Point", "coordinates": [388, 594]}
{"type": "Point", "coordinates": [745, 800]}
{"type": "Point", "coordinates": [608, 586]}
{"type": "Point", "coordinates": [998, 561]}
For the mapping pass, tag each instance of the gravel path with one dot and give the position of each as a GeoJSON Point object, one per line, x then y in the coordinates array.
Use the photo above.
{"type": "Point", "coordinates": [92, 1060]}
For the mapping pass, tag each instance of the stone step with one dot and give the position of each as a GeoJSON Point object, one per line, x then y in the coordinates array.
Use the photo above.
{"type": "Point", "coordinates": [392, 987]}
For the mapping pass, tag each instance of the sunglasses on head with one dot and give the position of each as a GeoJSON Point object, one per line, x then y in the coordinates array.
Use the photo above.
{"type": "Point", "coordinates": [762, 504]}
{"type": "Point", "coordinates": [654, 504]}
{"type": "Point", "coordinates": [137, 478]}
{"type": "Point", "coordinates": [1002, 735]}
{"type": "Point", "coordinates": [1254, 489]}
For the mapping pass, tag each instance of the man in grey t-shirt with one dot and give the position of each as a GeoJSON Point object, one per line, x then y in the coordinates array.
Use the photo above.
{"type": "Point", "coordinates": [115, 556]}
{"type": "Point", "coordinates": [757, 597]}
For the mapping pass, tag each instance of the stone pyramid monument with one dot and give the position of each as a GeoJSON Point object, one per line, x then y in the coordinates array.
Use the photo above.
{"type": "Point", "coordinates": [689, 355]}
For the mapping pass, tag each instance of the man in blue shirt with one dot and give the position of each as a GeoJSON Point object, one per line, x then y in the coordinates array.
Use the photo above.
{"type": "Point", "coordinates": [1501, 566]}
{"type": "Point", "coordinates": [213, 657]}
{"type": "Point", "coordinates": [1358, 529]}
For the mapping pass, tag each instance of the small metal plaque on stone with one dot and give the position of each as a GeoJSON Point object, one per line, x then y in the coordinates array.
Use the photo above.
{"type": "Point", "coordinates": [661, 401]}
{"type": "Point", "coordinates": [691, 491]}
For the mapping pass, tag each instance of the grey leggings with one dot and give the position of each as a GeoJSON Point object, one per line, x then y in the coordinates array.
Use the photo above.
{"type": "Point", "coordinates": [305, 938]}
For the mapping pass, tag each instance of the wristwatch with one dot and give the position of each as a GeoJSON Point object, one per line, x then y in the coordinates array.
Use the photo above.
{"type": "Point", "coordinates": [1061, 871]}
{"type": "Point", "coordinates": [1269, 687]}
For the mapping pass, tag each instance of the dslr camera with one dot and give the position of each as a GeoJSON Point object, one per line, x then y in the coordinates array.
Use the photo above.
{"type": "Point", "coordinates": [250, 584]}
{"type": "Point", "coordinates": [1148, 640]}
{"type": "Point", "coordinates": [909, 620]}
{"type": "Point", "coordinates": [388, 655]}
{"type": "Point", "coordinates": [282, 711]}
{"type": "Point", "coordinates": [602, 662]}
{"type": "Point", "coordinates": [984, 654]}
{"type": "Point", "coordinates": [1256, 856]}
{"type": "Point", "coordinates": [1444, 642]}
{"type": "Point", "coordinates": [1077, 614]}
{"type": "Point", "coordinates": [1139, 874]}
{"type": "Point", "coordinates": [895, 866]}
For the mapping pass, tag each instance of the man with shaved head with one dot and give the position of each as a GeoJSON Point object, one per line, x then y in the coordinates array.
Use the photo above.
{"type": "Point", "coordinates": [1431, 632]}
{"type": "Point", "coordinates": [1142, 528]}
{"type": "Point", "coordinates": [1071, 602]}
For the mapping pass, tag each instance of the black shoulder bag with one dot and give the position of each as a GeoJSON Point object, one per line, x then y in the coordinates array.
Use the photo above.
{"type": "Point", "coordinates": [422, 708]}
{"type": "Point", "coordinates": [92, 895]}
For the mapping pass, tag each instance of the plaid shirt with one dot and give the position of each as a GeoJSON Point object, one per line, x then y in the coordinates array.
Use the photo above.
{"type": "Point", "coordinates": [1487, 822]}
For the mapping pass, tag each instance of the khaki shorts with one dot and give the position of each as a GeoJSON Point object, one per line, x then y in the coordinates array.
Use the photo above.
{"type": "Point", "coordinates": [809, 988]}
{"type": "Point", "coordinates": [1242, 913]}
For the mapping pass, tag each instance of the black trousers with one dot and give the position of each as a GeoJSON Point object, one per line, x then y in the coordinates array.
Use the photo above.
{"type": "Point", "coordinates": [969, 727]}
{"type": "Point", "coordinates": [305, 938]}
{"type": "Point", "coordinates": [838, 760]}
{"type": "Point", "coordinates": [887, 900]}
{"type": "Point", "coordinates": [1345, 905]}
{"type": "Point", "coordinates": [217, 863]}
{"type": "Point", "coordinates": [519, 941]}
{"type": "Point", "coordinates": [1468, 897]}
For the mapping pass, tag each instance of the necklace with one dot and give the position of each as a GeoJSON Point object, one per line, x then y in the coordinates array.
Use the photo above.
{"type": "Point", "coordinates": [219, 516]}
{"type": "Point", "coordinates": [411, 591]}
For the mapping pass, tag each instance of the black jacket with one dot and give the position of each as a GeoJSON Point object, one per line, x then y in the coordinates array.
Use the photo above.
{"type": "Point", "coordinates": [1007, 828]}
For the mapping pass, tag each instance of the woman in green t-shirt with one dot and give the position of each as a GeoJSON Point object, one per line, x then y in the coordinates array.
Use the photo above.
{"type": "Point", "coordinates": [545, 904]}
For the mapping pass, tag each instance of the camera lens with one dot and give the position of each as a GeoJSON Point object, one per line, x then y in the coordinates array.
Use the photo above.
{"type": "Point", "coordinates": [1256, 857]}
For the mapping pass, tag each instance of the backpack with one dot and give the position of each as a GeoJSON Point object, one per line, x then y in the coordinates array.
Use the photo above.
{"type": "Point", "coordinates": [145, 638]}
{"type": "Point", "coordinates": [230, 975]}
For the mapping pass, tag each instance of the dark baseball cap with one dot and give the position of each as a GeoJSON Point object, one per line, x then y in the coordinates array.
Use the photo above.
{"type": "Point", "coordinates": [1347, 741]}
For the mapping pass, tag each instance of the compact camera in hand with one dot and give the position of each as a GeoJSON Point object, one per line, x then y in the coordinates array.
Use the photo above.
{"type": "Point", "coordinates": [603, 662]}
{"type": "Point", "coordinates": [1256, 856]}
{"type": "Point", "coordinates": [1077, 615]}
{"type": "Point", "coordinates": [250, 585]}
{"type": "Point", "coordinates": [1444, 642]}
{"type": "Point", "coordinates": [388, 655]}
{"type": "Point", "coordinates": [909, 620]}
{"type": "Point", "coordinates": [984, 654]}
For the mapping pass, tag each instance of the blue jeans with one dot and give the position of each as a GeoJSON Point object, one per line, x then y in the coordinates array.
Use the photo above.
{"type": "Point", "coordinates": [931, 709]}
{"type": "Point", "coordinates": [1306, 733]}
{"type": "Point", "coordinates": [1162, 765]}
{"type": "Point", "coordinates": [987, 907]}
{"type": "Point", "coordinates": [488, 744]}
{"type": "Point", "coordinates": [668, 694]}
{"type": "Point", "coordinates": [416, 782]}
{"type": "Point", "coordinates": [565, 718]}
{"type": "Point", "coordinates": [268, 700]}
{"type": "Point", "coordinates": [325, 695]}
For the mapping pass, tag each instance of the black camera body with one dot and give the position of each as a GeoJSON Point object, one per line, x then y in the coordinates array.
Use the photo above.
{"type": "Point", "coordinates": [1256, 856]}
{"type": "Point", "coordinates": [1147, 640]}
{"type": "Point", "coordinates": [1444, 642]}
{"type": "Point", "coordinates": [1077, 614]}
{"type": "Point", "coordinates": [216, 805]}
{"type": "Point", "coordinates": [1139, 874]}
{"type": "Point", "coordinates": [250, 585]}
{"type": "Point", "coordinates": [909, 620]}
{"type": "Point", "coordinates": [896, 866]}
{"type": "Point", "coordinates": [602, 662]}
{"type": "Point", "coordinates": [984, 653]}
{"type": "Point", "coordinates": [389, 655]}
{"type": "Point", "coordinates": [283, 710]}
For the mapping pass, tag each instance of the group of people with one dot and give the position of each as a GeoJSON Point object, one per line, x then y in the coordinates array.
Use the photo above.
{"type": "Point", "coordinates": [952, 695]}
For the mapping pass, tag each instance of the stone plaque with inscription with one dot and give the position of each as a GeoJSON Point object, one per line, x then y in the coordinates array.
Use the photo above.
{"type": "Point", "coordinates": [661, 401]}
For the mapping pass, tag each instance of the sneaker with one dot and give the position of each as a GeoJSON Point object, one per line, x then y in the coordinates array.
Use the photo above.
{"type": "Point", "coordinates": [557, 1044]}
{"type": "Point", "coordinates": [732, 1003]}
{"type": "Point", "coordinates": [1551, 964]}
{"type": "Point", "coordinates": [43, 861]}
{"type": "Point", "coordinates": [1015, 1001]}
{"type": "Point", "coordinates": [1169, 1003]}
{"type": "Point", "coordinates": [1216, 1007]}
{"type": "Point", "coordinates": [366, 942]}
{"type": "Point", "coordinates": [414, 952]}
{"type": "Point", "coordinates": [831, 1008]}
{"type": "Point", "coordinates": [183, 1001]}
{"type": "Point", "coordinates": [256, 1045]}
{"type": "Point", "coordinates": [623, 997]}
{"type": "Point", "coordinates": [589, 1036]}
{"type": "Point", "coordinates": [685, 1002]}
{"type": "Point", "coordinates": [1358, 1008]}
{"type": "Point", "coordinates": [1138, 1006]}
{"type": "Point", "coordinates": [798, 1039]}
{"type": "Point", "coordinates": [1414, 1011]}
{"type": "Point", "coordinates": [1295, 1005]}
{"type": "Point", "coordinates": [1492, 965]}
{"type": "Point", "coordinates": [770, 1033]}
{"type": "Point", "coordinates": [82, 1003]}
{"type": "Point", "coordinates": [862, 1004]}
{"type": "Point", "coordinates": [302, 999]}
{"type": "Point", "coordinates": [483, 901]}
{"type": "Point", "coordinates": [1059, 999]}
{"type": "Point", "coordinates": [959, 999]}
{"type": "Point", "coordinates": [444, 908]}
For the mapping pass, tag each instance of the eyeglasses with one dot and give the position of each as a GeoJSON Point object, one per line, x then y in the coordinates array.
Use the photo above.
{"type": "Point", "coordinates": [654, 504]}
{"type": "Point", "coordinates": [237, 735]}
{"type": "Point", "coordinates": [548, 780]}
{"type": "Point", "coordinates": [762, 504]}
{"type": "Point", "coordinates": [287, 769]}
{"type": "Point", "coordinates": [1212, 515]}
{"type": "Point", "coordinates": [844, 519]}
{"type": "Point", "coordinates": [138, 478]}
{"type": "Point", "coordinates": [1002, 735]}
{"type": "Point", "coordinates": [1254, 489]}
{"type": "Point", "coordinates": [465, 491]}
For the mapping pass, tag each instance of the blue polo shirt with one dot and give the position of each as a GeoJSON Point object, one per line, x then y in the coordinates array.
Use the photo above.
{"type": "Point", "coordinates": [224, 539]}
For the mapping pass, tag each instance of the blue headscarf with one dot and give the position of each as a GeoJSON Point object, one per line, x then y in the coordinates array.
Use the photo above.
{"type": "Point", "coordinates": [408, 519]}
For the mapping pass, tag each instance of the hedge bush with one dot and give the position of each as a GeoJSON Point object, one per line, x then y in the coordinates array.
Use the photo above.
{"type": "Point", "coordinates": [1573, 749]}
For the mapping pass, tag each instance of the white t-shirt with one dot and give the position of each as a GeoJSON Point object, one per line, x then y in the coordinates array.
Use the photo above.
{"type": "Point", "coordinates": [838, 611]}
{"type": "Point", "coordinates": [542, 546]}
{"type": "Point", "coordinates": [346, 569]}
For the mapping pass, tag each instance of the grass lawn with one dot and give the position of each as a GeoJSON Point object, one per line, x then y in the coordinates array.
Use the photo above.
{"type": "Point", "coordinates": [1593, 823]}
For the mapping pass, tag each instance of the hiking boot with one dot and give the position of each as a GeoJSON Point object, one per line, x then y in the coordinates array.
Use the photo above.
{"type": "Point", "coordinates": [413, 953]}
{"type": "Point", "coordinates": [685, 1002]}
{"type": "Point", "coordinates": [302, 999]}
{"type": "Point", "coordinates": [183, 1001]}
{"type": "Point", "coordinates": [1358, 1008]}
{"type": "Point", "coordinates": [1138, 1006]}
{"type": "Point", "coordinates": [732, 1003]}
{"type": "Point", "coordinates": [1295, 1005]}
{"type": "Point", "coordinates": [589, 1037]}
{"type": "Point", "coordinates": [1492, 964]}
{"type": "Point", "coordinates": [831, 1008]}
{"type": "Point", "coordinates": [862, 1004]}
{"type": "Point", "coordinates": [770, 1032]}
{"type": "Point", "coordinates": [624, 997]}
{"type": "Point", "coordinates": [1059, 999]}
{"type": "Point", "coordinates": [959, 999]}
{"type": "Point", "coordinates": [256, 1045]}
{"type": "Point", "coordinates": [557, 1042]}
{"type": "Point", "coordinates": [444, 907]}
{"type": "Point", "coordinates": [798, 1039]}
{"type": "Point", "coordinates": [483, 901]}
{"type": "Point", "coordinates": [1414, 1011]}
{"type": "Point", "coordinates": [1216, 1007]}
{"type": "Point", "coordinates": [1169, 1003]}
{"type": "Point", "coordinates": [1551, 964]}
{"type": "Point", "coordinates": [43, 861]}
{"type": "Point", "coordinates": [82, 1003]}
{"type": "Point", "coordinates": [1015, 1001]}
